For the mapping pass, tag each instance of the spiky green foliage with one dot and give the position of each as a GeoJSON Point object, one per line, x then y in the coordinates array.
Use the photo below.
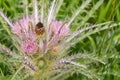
{"type": "Point", "coordinates": [92, 51]}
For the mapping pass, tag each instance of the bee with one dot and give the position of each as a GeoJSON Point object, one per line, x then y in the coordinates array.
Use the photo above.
{"type": "Point", "coordinates": [39, 28]}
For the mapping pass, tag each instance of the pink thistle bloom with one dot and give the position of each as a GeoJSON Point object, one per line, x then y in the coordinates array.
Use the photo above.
{"type": "Point", "coordinates": [22, 25]}
{"type": "Point", "coordinates": [29, 46]}
{"type": "Point", "coordinates": [58, 28]}
{"type": "Point", "coordinates": [64, 31]}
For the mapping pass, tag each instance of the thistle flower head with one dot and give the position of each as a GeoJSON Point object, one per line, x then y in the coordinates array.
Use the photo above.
{"type": "Point", "coordinates": [29, 46]}
{"type": "Point", "coordinates": [59, 28]}
{"type": "Point", "coordinates": [22, 25]}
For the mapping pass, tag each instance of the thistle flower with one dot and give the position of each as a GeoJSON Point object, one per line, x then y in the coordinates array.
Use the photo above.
{"type": "Point", "coordinates": [59, 29]}
{"type": "Point", "coordinates": [22, 25]}
{"type": "Point", "coordinates": [29, 46]}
